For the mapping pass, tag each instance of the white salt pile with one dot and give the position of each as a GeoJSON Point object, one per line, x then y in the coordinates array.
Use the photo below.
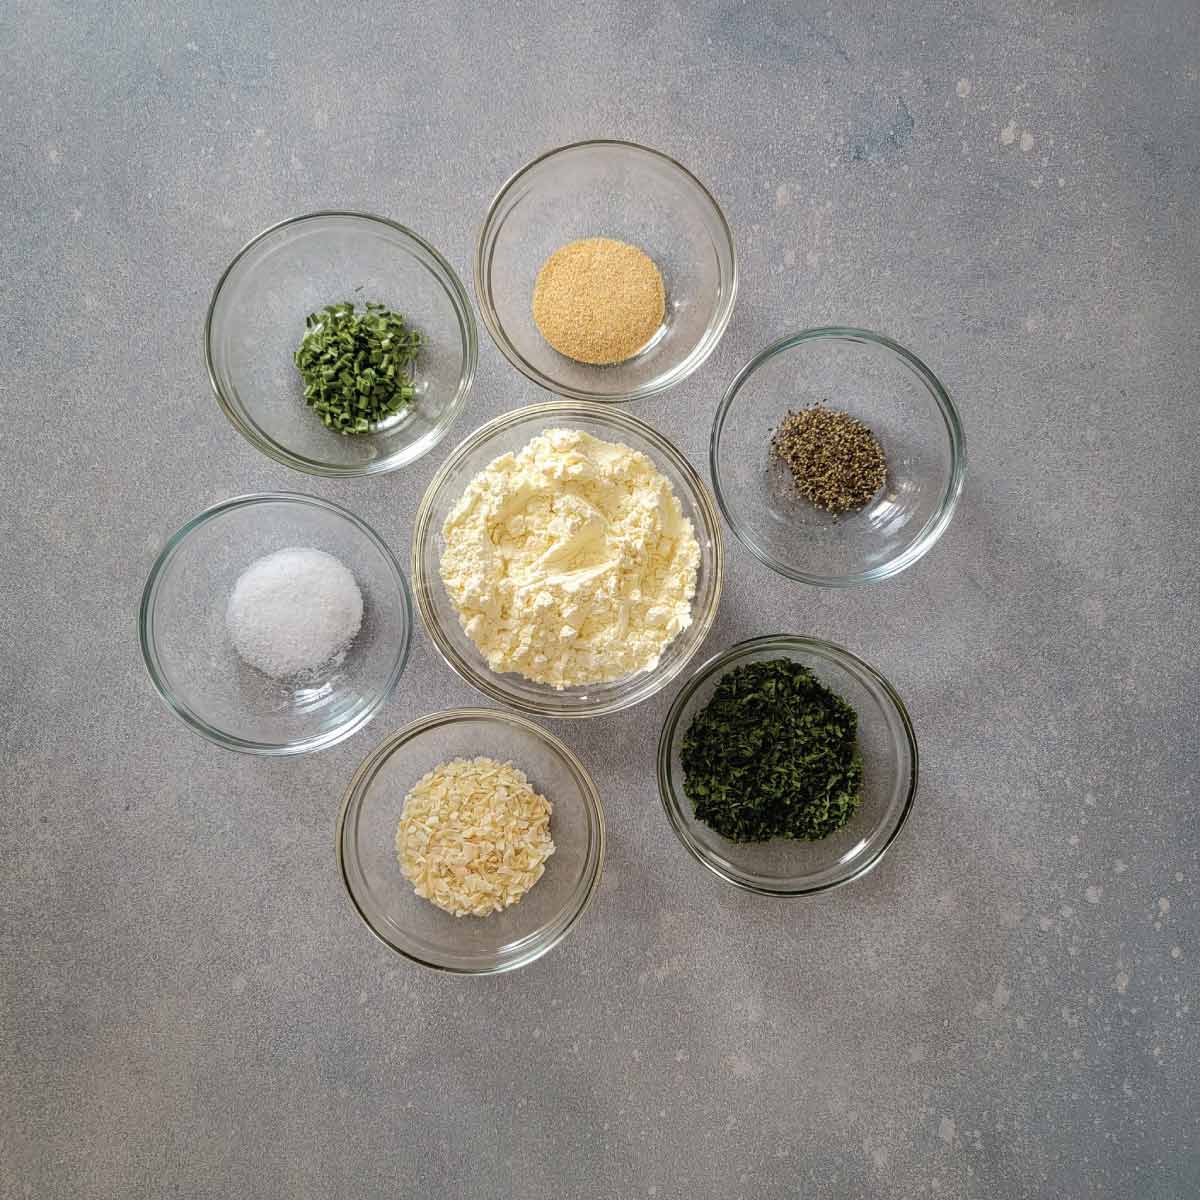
{"type": "Point", "coordinates": [294, 611]}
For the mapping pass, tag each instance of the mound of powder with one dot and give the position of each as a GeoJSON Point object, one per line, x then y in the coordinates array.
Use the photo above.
{"type": "Point", "coordinates": [598, 300]}
{"type": "Point", "coordinates": [293, 611]}
{"type": "Point", "coordinates": [570, 562]}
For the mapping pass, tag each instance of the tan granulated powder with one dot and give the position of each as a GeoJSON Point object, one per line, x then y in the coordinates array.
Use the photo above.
{"type": "Point", "coordinates": [598, 300]}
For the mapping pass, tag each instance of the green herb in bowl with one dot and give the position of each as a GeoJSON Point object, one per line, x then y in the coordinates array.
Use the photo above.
{"type": "Point", "coordinates": [773, 754]}
{"type": "Point", "coordinates": [356, 366]}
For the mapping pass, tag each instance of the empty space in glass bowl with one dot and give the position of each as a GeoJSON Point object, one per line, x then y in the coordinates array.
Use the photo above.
{"type": "Point", "coordinates": [415, 927]}
{"type": "Point", "coordinates": [191, 656]}
{"type": "Point", "coordinates": [631, 194]}
{"type": "Point", "coordinates": [257, 321]}
{"type": "Point", "coordinates": [889, 752]}
{"type": "Point", "coordinates": [510, 433]}
{"type": "Point", "coordinates": [908, 411]}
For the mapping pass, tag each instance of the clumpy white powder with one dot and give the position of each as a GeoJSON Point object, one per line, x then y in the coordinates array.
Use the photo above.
{"type": "Point", "coordinates": [293, 611]}
{"type": "Point", "coordinates": [571, 561]}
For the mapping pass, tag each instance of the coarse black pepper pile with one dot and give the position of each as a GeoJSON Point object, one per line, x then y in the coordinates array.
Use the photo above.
{"type": "Point", "coordinates": [835, 460]}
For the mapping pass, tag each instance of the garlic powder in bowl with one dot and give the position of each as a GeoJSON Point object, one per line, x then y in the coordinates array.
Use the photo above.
{"type": "Point", "coordinates": [570, 561]}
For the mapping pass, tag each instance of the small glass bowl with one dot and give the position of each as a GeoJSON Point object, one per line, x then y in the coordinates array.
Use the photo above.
{"type": "Point", "coordinates": [256, 321]}
{"type": "Point", "coordinates": [509, 433]}
{"type": "Point", "coordinates": [192, 661]}
{"type": "Point", "coordinates": [890, 390]}
{"type": "Point", "coordinates": [889, 749]}
{"type": "Point", "coordinates": [415, 928]}
{"type": "Point", "coordinates": [617, 190]}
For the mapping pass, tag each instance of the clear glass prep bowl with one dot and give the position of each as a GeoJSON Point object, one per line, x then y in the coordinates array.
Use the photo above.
{"type": "Point", "coordinates": [503, 941]}
{"type": "Point", "coordinates": [509, 433]}
{"type": "Point", "coordinates": [256, 321]}
{"type": "Point", "coordinates": [191, 659]}
{"type": "Point", "coordinates": [898, 397]}
{"type": "Point", "coordinates": [785, 867]}
{"type": "Point", "coordinates": [617, 190]}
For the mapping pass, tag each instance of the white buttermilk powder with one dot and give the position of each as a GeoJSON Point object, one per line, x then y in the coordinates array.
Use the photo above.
{"type": "Point", "coordinates": [570, 562]}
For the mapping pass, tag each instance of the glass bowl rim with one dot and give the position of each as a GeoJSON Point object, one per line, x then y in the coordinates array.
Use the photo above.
{"type": "Point", "coordinates": [934, 527]}
{"type": "Point", "coordinates": [495, 328]}
{"type": "Point", "coordinates": [231, 741]}
{"type": "Point", "coordinates": [485, 683]}
{"type": "Point", "coordinates": [460, 301]}
{"type": "Point", "coordinates": [726, 658]}
{"type": "Point", "coordinates": [538, 943]}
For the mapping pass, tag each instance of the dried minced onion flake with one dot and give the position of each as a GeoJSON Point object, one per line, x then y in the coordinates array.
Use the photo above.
{"type": "Point", "coordinates": [474, 836]}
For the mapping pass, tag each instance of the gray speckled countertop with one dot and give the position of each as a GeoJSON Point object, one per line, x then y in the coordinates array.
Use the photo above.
{"type": "Point", "coordinates": [1007, 1007]}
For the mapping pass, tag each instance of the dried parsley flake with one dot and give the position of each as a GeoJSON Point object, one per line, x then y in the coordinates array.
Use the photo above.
{"type": "Point", "coordinates": [773, 754]}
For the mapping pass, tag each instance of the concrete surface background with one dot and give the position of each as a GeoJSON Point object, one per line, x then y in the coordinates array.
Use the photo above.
{"type": "Point", "coordinates": [1007, 1007]}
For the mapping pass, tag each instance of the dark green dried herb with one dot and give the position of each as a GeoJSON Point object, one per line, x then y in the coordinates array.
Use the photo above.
{"type": "Point", "coordinates": [835, 460]}
{"type": "Point", "coordinates": [355, 366]}
{"type": "Point", "coordinates": [773, 754]}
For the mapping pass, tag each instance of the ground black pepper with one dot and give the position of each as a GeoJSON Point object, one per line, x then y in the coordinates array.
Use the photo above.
{"type": "Point", "coordinates": [835, 460]}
